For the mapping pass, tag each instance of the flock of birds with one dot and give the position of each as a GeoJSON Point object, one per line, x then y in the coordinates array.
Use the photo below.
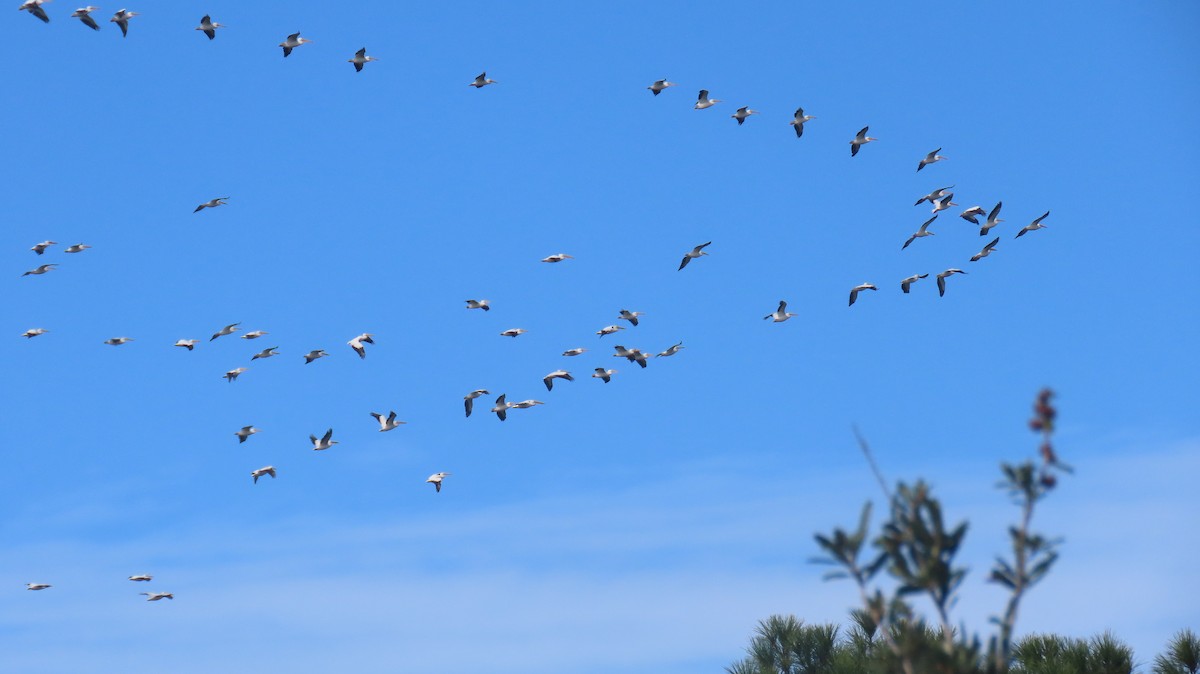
{"type": "Point", "coordinates": [941, 200]}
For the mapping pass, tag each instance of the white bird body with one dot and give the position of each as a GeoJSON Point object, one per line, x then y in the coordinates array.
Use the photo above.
{"type": "Point", "coordinates": [704, 101]}
{"type": "Point", "coordinates": [232, 375]}
{"type": "Point", "coordinates": [557, 257]}
{"type": "Point", "coordinates": [41, 247]}
{"type": "Point", "coordinates": [37, 586]}
{"type": "Point", "coordinates": [121, 18]}
{"type": "Point", "coordinates": [944, 203]}
{"type": "Point", "coordinates": [34, 332]}
{"type": "Point", "coordinates": [245, 432]}
{"type": "Point", "coordinates": [209, 27]}
{"type": "Point", "coordinates": [781, 314]}
{"type": "Point", "coordinates": [436, 479]}
{"type": "Point", "coordinates": [574, 352]}
{"type": "Point", "coordinates": [41, 269]}
{"type": "Point", "coordinates": [671, 350]}
{"type": "Point", "coordinates": [860, 139]}
{"type": "Point", "coordinates": [34, 7]}
{"type": "Point", "coordinates": [77, 248]}
{"type": "Point", "coordinates": [987, 250]}
{"type": "Point", "coordinates": [500, 409]}
{"type": "Point", "coordinates": [548, 380]}
{"type": "Point", "coordinates": [361, 58]}
{"type": "Point", "coordinates": [632, 355]}
{"type": "Point", "coordinates": [358, 344]}
{"type": "Point", "coordinates": [993, 219]}
{"type": "Point", "coordinates": [941, 279]}
{"type": "Point", "coordinates": [265, 470]}
{"type": "Point", "coordinates": [934, 195]}
{"type": "Point", "coordinates": [856, 289]}
{"type": "Point", "coordinates": [479, 304]}
{"type": "Point", "coordinates": [920, 233]}
{"type": "Point", "coordinates": [313, 355]}
{"type": "Point", "coordinates": [931, 158]}
{"type": "Point", "coordinates": [219, 201]}
{"type": "Point", "coordinates": [143, 578]}
{"type": "Point", "coordinates": [608, 330]}
{"type": "Point", "coordinates": [798, 121]}
{"type": "Point", "coordinates": [972, 213]}
{"type": "Point", "coordinates": [84, 15]}
{"type": "Point", "coordinates": [469, 399]}
{"type": "Point", "coordinates": [904, 284]}
{"type": "Point", "coordinates": [513, 332]}
{"type": "Point", "coordinates": [118, 341]}
{"type": "Point", "coordinates": [227, 330]}
{"type": "Point", "coordinates": [255, 334]}
{"type": "Point", "coordinates": [1033, 226]}
{"type": "Point", "coordinates": [693, 254]}
{"type": "Point", "coordinates": [389, 422]}
{"type": "Point", "coordinates": [324, 442]}
{"type": "Point", "coordinates": [294, 40]}
{"type": "Point", "coordinates": [265, 353]}
{"type": "Point", "coordinates": [526, 404]}
{"type": "Point", "coordinates": [481, 81]}
{"type": "Point", "coordinates": [743, 114]}
{"type": "Point", "coordinates": [631, 316]}
{"type": "Point", "coordinates": [603, 374]}
{"type": "Point", "coordinates": [155, 596]}
{"type": "Point", "coordinates": [659, 86]}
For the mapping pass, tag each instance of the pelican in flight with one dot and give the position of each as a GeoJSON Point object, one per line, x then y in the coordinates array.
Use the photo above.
{"type": "Point", "coordinates": [84, 15]}
{"type": "Point", "coordinates": [313, 355]}
{"type": "Point", "coordinates": [227, 330]}
{"type": "Point", "coordinates": [934, 195]}
{"type": "Point", "coordinates": [188, 344]}
{"type": "Point", "coordinates": [671, 350]}
{"type": "Point", "coordinates": [40, 270]}
{"type": "Point", "coordinates": [1033, 226]}
{"type": "Point", "coordinates": [632, 355]}
{"type": "Point", "coordinates": [77, 248]}
{"type": "Point", "coordinates": [244, 433]}
{"type": "Point", "coordinates": [41, 247]}
{"type": "Point", "coordinates": [358, 342]}
{"type": "Point", "coordinates": [743, 114]}
{"type": "Point", "coordinates": [659, 86]}
{"type": "Point", "coordinates": [513, 332]}
{"type": "Point", "coordinates": [142, 578]}
{"type": "Point", "coordinates": [695, 253]}
{"type": "Point", "coordinates": [704, 101]}
{"type": "Point", "coordinates": [943, 204]}
{"type": "Point", "coordinates": [906, 283]}
{"type": "Point", "coordinates": [548, 380]}
{"type": "Point", "coordinates": [30, 334]}
{"type": "Point", "coordinates": [121, 18]}
{"type": "Point", "coordinates": [992, 219]}
{"type": "Point", "coordinates": [325, 442]}
{"type": "Point", "coordinates": [608, 330]}
{"type": "Point", "coordinates": [603, 375]}
{"type": "Point", "coordinates": [469, 399]}
{"type": "Point", "coordinates": [360, 57]}
{"type": "Point", "coordinates": [558, 257]}
{"type": "Point", "coordinates": [209, 27]}
{"type": "Point", "coordinates": [798, 120]}
{"type": "Point", "coordinates": [972, 214]}
{"type": "Point", "coordinates": [255, 334]}
{"type": "Point", "coordinates": [631, 316]}
{"type": "Point", "coordinates": [265, 470]}
{"type": "Point", "coordinates": [436, 479]}
{"type": "Point", "coordinates": [931, 158]}
{"type": "Point", "coordinates": [860, 139]}
{"type": "Point", "coordinates": [389, 422]}
{"type": "Point", "coordinates": [34, 7]}
{"type": "Point", "coordinates": [482, 81]}
{"type": "Point", "coordinates": [526, 404]}
{"type": "Point", "coordinates": [855, 289]}
{"type": "Point", "coordinates": [574, 352]}
{"type": "Point", "coordinates": [502, 407]}
{"type": "Point", "coordinates": [941, 279]}
{"type": "Point", "coordinates": [219, 201]}
{"type": "Point", "coordinates": [155, 596]}
{"type": "Point", "coordinates": [478, 304]}
{"type": "Point", "coordinates": [294, 40]}
{"type": "Point", "coordinates": [987, 250]}
{"type": "Point", "coordinates": [922, 232]}
{"type": "Point", "coordinates": [118, 341]}
{"type": "Point", "coordinates": [265, 353]}
{"type": "Point", "coordinates": [232, 375]}
{"type": "Point", "coordinates": [37, 586]}
{"type": "Point", "coordinates": [781, 314]}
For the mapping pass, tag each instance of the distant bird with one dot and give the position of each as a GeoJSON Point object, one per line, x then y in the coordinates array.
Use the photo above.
{"type": "Point", "coordinates": [659, 86]}
{"type": "Point", "coordinates": [244, 433]}
{"type": "Point", "coordinates": [1033, 226]}
{"type": "Point", "coordinates": [695, 253]}
{"type": "Point", "coordinates": [671, 350]}
{"type": "Point", "coordinates": [143, 578]}
{"type": "Point", "coordinates": [855, 290]}
{"type": "Point", "coordinates": [265, 470]}
{"type": "Point", "coordinates": [934, 195]}
{"type": "Point", "coordinates": [227, 330]}
{"type": "Point", "coordinates": [922, 232]}
{"type": "Point", "coordinates": [987, 250]}
{"type": "Point", "coordinates": [798, 121]}
{"type": "Point", "coordinates": [469, 399]}
{"type": "Point", "coordinates": [743, 114]}
{"type": "Point", "coordinates": [931, 158]}
{"type": "Point", "coordinates": [631, 316]}
{"type": "Point", "coordinates": [632, 355]}
{"type": "Point", "coordinates": [944, 203]}
{"type": "Point", "coordinates": [941, 279]}
{"type": "Point", "coordinates": [219, 201]}
{"type": "Point", "coordinates": [904, 285]}
{"type": "Point", "coordinates": [155, 596]}
{"type": "Point", "coordinates": [482, 81]}
{"type": "Point", "coordinates": [860, 139]}
{"type": "Point", "coordinates": [121, 18]}
{"type": "Point", "coordinates": [513, 332]}
{"type": "Point", "coordinates": [84, 15]}
{"type": "Point", "coordinates": [232, 375]}
{"type": "Point", "coordinates": [780, 314]}
{"type": "Point", "coordinates": [548, 380]}
{"type": "Point", "coordinates": [608, 330]}
{"type": "Point", "coordinates": [479, 304]}
{"type": "Point", "coordinates": [558, 257]}
{"type": "Point", "coordinates": [436, 479]}
{"type": "Point", "coordinates": [604, 375]}
{"type": "Point", "coordinates": [265, 353]}
{"type": "Point", "coordinates": [255, 334]}
{"type": "Point", "coordinates": [992, 219]}
{"type": "Point", "coordinates": [360, 58]}
{"type": "Point", "coordinates": [294, 40]}
{"type": "Point", "coordinates": [209, 28]}
{"type": "Point", "coordinates": [387, 423]}
{"type": "Point", "coordinates": [325, 442]}
{"type": "Point", "coordinates": [30, 334]}
{"type": "Point", "coordinates": [574, 352]}
{"type": "Point", "coordinates": [41, 247]}
{"type": "Point", "coordinates": [34, 7]}
{"type": "Point", "coordinates": [37, 586]}
{"type": "Point", "coordinates": [41, 270]}
{"type": "Point", "coordinates": [526, 404]}
{"type": "Point", "coordinates": [704, 101]}
{"type": "Point", "coordinates": [77, 248]}
{"type": "Point", "coordinates": [118, 341]}
{"type": "Point", "coordinates": [502, 406]}
{"type": "Point", "coordinates": [313, 355]}
{"type": "Point", "coordinates": [358, 342]}
{"type": "Point", "coordinates": [971, 214]}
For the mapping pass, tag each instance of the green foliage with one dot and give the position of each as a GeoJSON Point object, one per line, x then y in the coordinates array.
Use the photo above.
{"type": "Point", "coordinates": [1182, 656]}
{"type": "Point", "coordinates": [785, 645]}
{"type": "Point", "coordinates": [1053, 654]}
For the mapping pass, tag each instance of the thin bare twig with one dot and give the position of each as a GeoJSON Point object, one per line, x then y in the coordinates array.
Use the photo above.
{"type": "Point", "coordinates": [866, 450]}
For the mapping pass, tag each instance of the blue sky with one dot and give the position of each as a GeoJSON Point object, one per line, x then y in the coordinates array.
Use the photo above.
{"type": "Point", "coordinates": [642, 525]}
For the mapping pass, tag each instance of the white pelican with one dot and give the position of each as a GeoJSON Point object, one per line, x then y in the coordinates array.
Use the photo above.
{"type": "Point", "coordinates": [574, 352]}
{"type": "Point", "coordinates": [922, 232]}
{"type": "Point", "coordinates": [265, 470]}
{"type": "Point", "coordinates": [558, 257]}
{"type": "Point", "coordinates": [631, 316]}
{"type": "Point", "coordinates": [389, 422]}
{"type": "Point", "coordinates": [358, 342]}
{"type": "Point", "coordinates": [704, 101]}
{"type": "Point", "coordinates": [121, 18]}
{"type": "Point", "coordinates": [941, 279]}
{"type": "Point", "coordinates": [227, 330]}
{"type": "Point", "coordinates": [255, 334]}
{"type": "Point", "coordinates": [77, 248]}
{"type": "Point", "coordinates": [246, 432]}
{"type": "Point", "coordinates": [904, 285]}
{"type": "Point", "coordinates": [313, 355]}
{"type": "Point", "coordinates": [860, 139]}
{"type": "Point", "coordinates": [41, 247]}
{"type": "Point", "coordinates": [659, 86]}
{"type": "Point", "coordinates": [855, 289]}
{"type": "Point", "coordinates": [943, 204]}
{"type": "Point", "coordinates": [743, 114]}
{"type": "Point", "coordinates": [513, 332]}
{"type": "Point", "coordinates": [232, 375]}
{"type": "Point", "coordinates": [118, 341]}
{"type": "Point", "coordinates": [992, 219]}
{"type": "Point", "coordinates": [934, 195]}
{"type": "Point", "coordinates": [971, 214]}
{"type": "Point", "coordinates": [209, 27]}
{"type": "Point", "coordinates": [469, 399]}
{"type": "Point", "coordinates": [548, 380]}
{"type": "Point", "coordinates": [1034, 226]}
{"type": "Point", "coordinates": [798, 120]}
{"type": "Point", "coordinates": [478, 304]}
{"type": "Point", "coordinates": [155, 596]}
{"type": "Point", "coordinates": [632, 355]}
{"type": "Point", "coordinates": [781, 313]}
{"type": "Point", "coordinates": [608, 330]}
{"type": "Point", "coordinates": [325, 442]}
{"type": "Point", "coordinates": [987, 250]}
{"type": "Point", "coordinates": [265, 353]}
{"type": "Point", "coordinates": [695, 253]}
{"type": "Point", "coordinates": [40, 270]}
{"type": "Point", "coordinates": [526, 404]}
{"type": "Point", "coordinates": [84, 15]}
{"type": "Point", "coordinates": [219, 201]}
{"type": "Point", "coordinates": [671, 350]}
{"type": "Point", "coordinates": [30, 334]}
{"type": "Point", "coordinates": [436, 479]}
{"type": "Point", "coordinates": [294, 40]}
{"type": "Point", "coordinates": [37, 586]}
{"type": "Point", "coordinates": [142, 578]}
{"type": "Point", "coordinates": [34, 7]}
{"type": "Point", "coordinates": [931, 158]}
{"type": "Point", "coordinates": [360, 57]}
{"type": "Point", "coordinates": [482, 81]}
{"type": "Point", "coordinates": [502, 406]}
{"type": "Point", "coordinates": [603, 375]}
